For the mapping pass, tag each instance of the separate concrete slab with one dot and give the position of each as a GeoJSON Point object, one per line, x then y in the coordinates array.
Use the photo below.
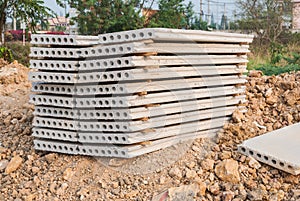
{"type": "Point", "coordinates": [279, 148]}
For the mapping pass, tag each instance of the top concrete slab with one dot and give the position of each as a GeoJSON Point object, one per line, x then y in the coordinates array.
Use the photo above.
{"type": "Point", "coordinates": [279, 148]}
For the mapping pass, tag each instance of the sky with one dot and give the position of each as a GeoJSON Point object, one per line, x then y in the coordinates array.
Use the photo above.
{"type": "Point", "coordinates": [216, 7]}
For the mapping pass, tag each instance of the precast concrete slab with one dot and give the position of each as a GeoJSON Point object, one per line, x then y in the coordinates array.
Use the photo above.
{"type": "Point", "coordinates": [123, 63]}
{"type": "Point", "coordinates": [137, 48]}
{"type": "Point", "coordinates": [134, 100]}
{"type": "Point", "coordinates": [138, 112]}
{"type": "Point", "coordinates": [278, 148]}
{"type": "Point", "coordinates": [127, 138]}
{"type": "Point", "coordinates": [63, 40]}
{"type": "Point", "coordinates": [129, 125]}
{"type": "Point", "coordinates": [125, 151]}
{"type": "Point", "coordinates": [162, 34]}
{"type": "Point", "coordinates": [135, 74]}
{"type": "Point", "coordinates": [138, 87]}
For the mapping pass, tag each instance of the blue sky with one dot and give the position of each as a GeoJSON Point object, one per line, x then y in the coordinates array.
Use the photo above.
{"type": "Point", "coordinates": [216, 7]}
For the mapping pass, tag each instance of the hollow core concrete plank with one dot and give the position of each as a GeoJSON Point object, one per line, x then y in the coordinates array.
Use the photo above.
{"type": "Point", "coordinates": [279, 148]}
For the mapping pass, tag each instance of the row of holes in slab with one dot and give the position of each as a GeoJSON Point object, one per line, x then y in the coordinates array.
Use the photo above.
{"type": "Point", "coordinates": [85, 126]}
{"type": "Point", "coordinates": [52, 77]}
{"type": "Point", "coordinates": [95, 138]}
{"type": "Point", "coordinates": [80, 149]}
{"type": "Point", "coordinates": [103, 76]}
{"type": "Point", "coordinates": [264, 157]}
{"type": "Point", "coordinates": [85, 65]}
{"type": "Point", "coordinates": [53, 39]}
{"type": "Point", "coordinates": [103, 152]}
{"type": "Point", "coordinates": [80, 113]}
{"type": "Point", "coordinates": [53, 135]}
{"type": "Point", "coordinates": [92, 52]}
{"type": "Point", "coordinates": [81, 103]}
{"type": "Point", "coordinates": [85, 90]}
{"type": "Point", "coordinates": [127, 36]}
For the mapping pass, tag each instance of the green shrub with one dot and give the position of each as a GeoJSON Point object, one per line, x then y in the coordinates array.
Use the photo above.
{"type": "Point", "coordinates": [269, 69]}
{"type": "Point", "coordinates": [5, 53]}
{"type": "Point", "coordinates": [20, 52]}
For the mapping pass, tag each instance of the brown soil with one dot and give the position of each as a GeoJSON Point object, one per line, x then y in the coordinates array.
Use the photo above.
{"type": "Point", "coordinates": [195, 167]}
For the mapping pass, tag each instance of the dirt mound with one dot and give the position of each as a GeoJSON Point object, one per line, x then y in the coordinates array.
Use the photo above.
{"type": "Point", "coordinates": [208, 170]}
{"type": "Point", "coordinates": [13, 77]}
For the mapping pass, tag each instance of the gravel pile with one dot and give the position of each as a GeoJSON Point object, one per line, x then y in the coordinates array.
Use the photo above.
{"type": "Point", "coordinates": [205, 169]}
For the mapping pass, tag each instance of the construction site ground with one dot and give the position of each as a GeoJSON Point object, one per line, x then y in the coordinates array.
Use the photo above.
{"type": "Point", "coordinates": [204, 169]}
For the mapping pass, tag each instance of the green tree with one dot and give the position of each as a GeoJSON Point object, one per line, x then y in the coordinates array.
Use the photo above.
{"type": "Point", "coordinates": [266, 18]}
{"type": "Point", "coordinates": [31, 11]}
{"type": "Point", "coordinates": [104, 16]}
{"type": "Point", "coordinates": [173, 14]}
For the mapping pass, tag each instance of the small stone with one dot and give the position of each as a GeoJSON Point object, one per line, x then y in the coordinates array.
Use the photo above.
{"type": "Point", "coordinates": [61, 189]}
{"type": "Point", "coordinates": [52, 188]}
{"type": "Point", "coordinates": [215, 189]}
{"type": "Point", "coordinates": [227, 196]}
{"type": "Point", "coordinates": [175, 173]}
{"type": "Point", "coordinates": [191, 165]}
{"type": "Point", "coordinates": [207, 164]}
{"type": "Point", "coordinates": [195, 148]}
{"type": "Point", "coordinates": [185, 192]}
{"type": "Point", "coordinates": [292, 179]}
{"type": "Point", "coordinates": [225, 155]}
{"type": "Point", "coordinates": [50, 157]}
{"type": "Point", "coordinates": [202, 188]}
{"type": "Point", "coordinates": [30, 197]}
{"type": "Point", "coordinates": [14, 164]}
{"type": "Point", "coordinates": [3, 164]}
{"type": "Point", "coordinates": [237, 116]}
{"type": "Point", "coordinates": [68, 174]}
{"type": "Point", "coordinates": [254, 163]}
{"type": "Point", "coordinates": [115, 184]}
{"type": "Point", "coordinates": [227, 170]}
{"type": "Point", "coordinates": [255, 73]}
{"type": "Point", "coordinates": [162, 180]}
{"type": "Point", "coordinates": [190, 174]}
{"type": "Point", "coordinates": [131, 194]}
{"type": "Point", "coordinates": [35, 170]}
{"type": "Point", "coordinates": [255, 195]}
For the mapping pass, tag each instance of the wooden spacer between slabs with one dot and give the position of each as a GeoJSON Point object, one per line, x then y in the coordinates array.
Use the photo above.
{"type": "Point", "coordinates": [145, 143]}
{"type": "Point", "coordinates": [152, 105]}
{"type": "Point", "coordinates": [142, 93]}
{"type": "Point", "coordinates": [148, 130]}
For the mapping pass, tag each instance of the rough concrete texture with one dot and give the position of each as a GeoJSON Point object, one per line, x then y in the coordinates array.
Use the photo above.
{"type": "Point", "coordinates": [278, 148]}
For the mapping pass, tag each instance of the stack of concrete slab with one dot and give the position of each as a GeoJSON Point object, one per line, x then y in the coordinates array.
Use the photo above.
{"type": "Point", "coordinates": [128, 93]}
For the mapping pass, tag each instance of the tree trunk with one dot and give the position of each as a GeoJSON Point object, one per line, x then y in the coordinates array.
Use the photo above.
{"type": "Point", "coordinates": [2, 19]}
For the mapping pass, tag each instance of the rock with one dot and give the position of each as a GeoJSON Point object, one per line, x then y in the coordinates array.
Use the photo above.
{"type": "Point", "coordinates": [255, 195]}
{"type": "Point", "coordinates": [254, 163]}
{"type": "Point", "coordinates": [237, 116]}
{"type": "Point", "coordinates": [3, 164]}
{"type": "Point", "coordinates": [68, 174]}
{"type": "Point", "coordinates": [207, 164]}
{"type": "Point", "coordinates": [35, 170]}
{"type": "Point", "coordinates": [186, 192]}
{"type": "Point", "coordinates": [175, 172]}
{"type": "Point", "coordinates": [190, 174]}
{"type": "Point", "coordinates": [227, 196]}
{"type": "Point", "coordinates": [255, 73]}
{"type": "Point", "coordinates": [214, 189]}
{"type": "Point", "coordinates": [50, 157]}
{"type": "Point", "coordinates": [14, 164]}
{"type": "Point", "coordinates": [132, 194]}
{"type": "Point", "coordinates": [30, 197]}
{"type": "Point", "coordinates": [227, 170]}
{"type": "Point", "coordinates": [291, 179]}
{"type": "Point", "coordinates": [202, 188]}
